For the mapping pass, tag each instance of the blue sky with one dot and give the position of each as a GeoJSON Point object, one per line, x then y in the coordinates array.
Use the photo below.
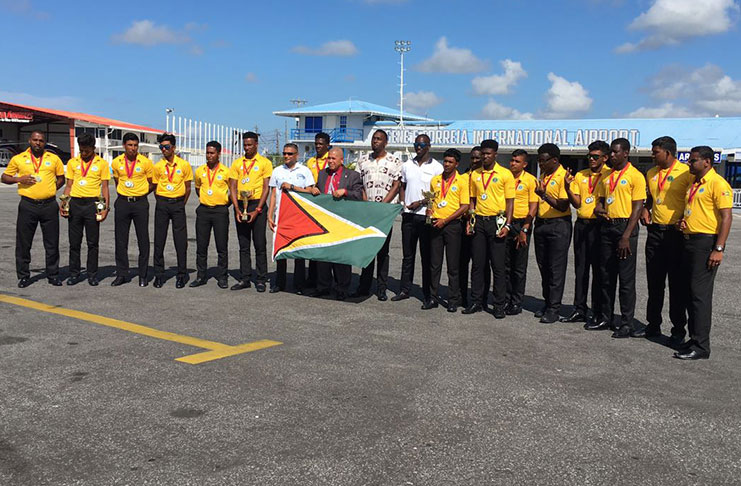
{"type": "Point", "coordinates": [237, 62]}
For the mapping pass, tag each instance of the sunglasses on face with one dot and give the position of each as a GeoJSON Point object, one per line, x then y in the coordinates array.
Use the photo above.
{"type": "Point", "coordinates": [420, 145]}
{"type": "Point", "coordinates": [289, 153]}
{"type": "Point", "coordinates": [165, 147]}
{"type": "Point", "coordinates": [593, 156]}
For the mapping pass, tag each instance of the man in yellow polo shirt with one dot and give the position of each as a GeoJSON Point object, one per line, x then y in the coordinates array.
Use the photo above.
{"type": "Point", "coordinates": [518, 240]}
{"type": "Point", "coordinates": [619, 202]}
{"type": "Point", "coordinates": [552, 231]}
{"type": "Point", "coordinates": [492, 191]}
{"type": "Point", "coordinates": [451, 203]}
{"type": "Point", "coordinates": [317, 164]}
{"type": "Point", "coordinates": [581, 190]}
{"type": "Point", "coordinates": [706, 224]}
{"type": "Point", "coordinates": [39, 174]}
{"type": "Point", "coordinates": [212, 187]}
{"type": "Point", "coordinates": [88, 177]}
{"type": "Point", "coordinates": [172, 177]}
{"type": "Point", "coordinates": [251, 173]}
{"type": "Point", "coordinates": [133, 173]}
{"type": "Point", "coordinates": [667, 183]}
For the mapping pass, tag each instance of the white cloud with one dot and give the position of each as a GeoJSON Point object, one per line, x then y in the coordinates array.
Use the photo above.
{"type": "Point", "coordinates": [23, 7]}
{"type": "Point", "coordinates": [341, 48]}
{"type": "Point", "coordinates": [499, 84]}
{"type": "Point", "coordinates": [147, 33]}
{"type": "Point", "coordinates": [564, 98]}
{"type": "Point", "coordinates": [421, 101]}
{"type": "Point", "coordinates": [250, 77]}
{"type": "Point", "coordinates": [496, 111]}
{"type": "Point", "coordinates": [69, 103]}
{"type": "Point", "coordinates": [667, 110]}
{"type": "Point", "coordinates": [454, 60]}
{"type": "Point", "coordinates": [670, 22]}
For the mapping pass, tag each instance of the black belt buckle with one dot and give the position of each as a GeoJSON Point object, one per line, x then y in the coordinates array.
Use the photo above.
{"type": "Point", "coordinates": [132, 198]}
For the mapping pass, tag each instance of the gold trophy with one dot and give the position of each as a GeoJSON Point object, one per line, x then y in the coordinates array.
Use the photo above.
{"type": "Point", "coordinates": [429, 199]}
{"type": "Point", "coordinates": [100, 206]}
{"type": "Point", "coordinates": [244, 196]}
{"type": "Point", "coordinates": [501, 221]}
{"type": "Point", "coordinates": [471, 219]}
{"type": "Point", "coordinates": [64, 199]}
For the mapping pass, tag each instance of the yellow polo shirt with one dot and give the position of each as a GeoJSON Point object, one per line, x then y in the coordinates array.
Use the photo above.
{"type": "Point", "coordinates": [172, 185]}
{"type": "Point", "coordinates": [628, 188]}
{"type": "Point", "coordinates": [524, 194]}
{"type": "Point", "coordinates": [500, 186]}
{"type": "Point", "coordinates": [87, 185]}
{"type": "Point", "coordinates": [556, 189]}
{"type": "Point", "coordinates": [50, 167]}
{"type": "Point", "coordinates": [249, 176]}
{"type": "Point", "coordinates": [316, 165]}
{"type": "Point", "coordinates": [668, 204]}
{"type": "Point", "coordinates": [456, 195]}
{"type": "Point", "coordinates": [583, 180]}
{"type": "Point", "coordinates": [137, 185]}
{"type": "Point", "coordinates": [218, 187]}
{"type": "Point", "coordinates": [702, 215]}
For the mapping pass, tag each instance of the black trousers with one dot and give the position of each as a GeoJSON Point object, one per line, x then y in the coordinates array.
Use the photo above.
{"type": "Point", "coordinates": [299, 273]}
{"type": "Point", "coordinates": [413, 229]}
{"type": "Point", "coordinates": [382, 262]}
{"type": "Point", "coordinates": [516, 265]}
{"type": "Point", "coordinates": [166, 211]}
{"type": "Point", "coordinates": [313, 274]}
{"type": "Point", "coordinates": [32, 213]}
{"type": "Point", "coordinates": [248, 234]}
{"type": "Point", "coordinates": [586, 257]}
{"type": "Point", "coordinates": [664, 258]}
{"type": "Point", "coordinates": [216, 219]}
{"type": "Point", "coordinates": [463, 268]}
{"type": "Point", "coordinates": [342, 277]}
{"type": "Point", "coordinates": [698, 281]}
{"type": "Point", "coordinates": [82, 217]}
{"type": "Point", "coordinates": [448, 241]}
{"type": "Point", "coordinates": [125, 213]}
{"type": "Point", "coordinates": [552, 240]}
{"type": "Point", "coordinates": [613, 267]}
{"type": "Point", "coordinates": [485, 243]}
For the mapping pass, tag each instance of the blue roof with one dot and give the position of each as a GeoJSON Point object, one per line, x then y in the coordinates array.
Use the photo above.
{"type": "Point", "coordinates": [349, 106]}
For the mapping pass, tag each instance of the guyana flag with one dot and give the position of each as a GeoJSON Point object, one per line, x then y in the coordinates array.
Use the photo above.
{"type": "Point", "coordinates": [324, 229]}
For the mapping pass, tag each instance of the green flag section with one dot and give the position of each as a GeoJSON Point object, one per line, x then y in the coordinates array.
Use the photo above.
{"type": "Point", "coordinates": [325, 229]}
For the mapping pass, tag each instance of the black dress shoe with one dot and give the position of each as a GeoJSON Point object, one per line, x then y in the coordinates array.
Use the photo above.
{"type": "Point", "coordinates": [198, 282]}
{"type": "Point", "coordinates": [400, 296]}
{"type": "Point", "coordinates": [74, 279]}
{"type": "Point", "coordinates": [576, 316]}
{"type": "Point", "coordinates": [143, 282]}
{"type": "Point", "coordinates": [429, 304]}
{"type": "Point", "coordinates": [24, 282]}
{"type": "Point", "coordinates": [299, 291]}
{"type": "Point", "coordinates": [119, 281]}
{"type": "Point", "coordinates": [691, 354]}
{"type": "Point", "coordinates": [93, 281]}
{"type": "Point", "coordinates": [513, 310]}
{"type": "Point", "coordinates": [499, 313]}
{"type": "Point", "coordinates": [180, 282]}
{"type": "Point", "coordinates": [340, 296]}
{"type": "Point", "coordinates": [54, 281]}
{"type": "Point", "coordinates": [597, 325]}
{"type": "Point", "coordinates": [382, 296]}
{"type": "Point", "coordinates": [223, 283]}
{"type": "Point", "coordinates": [452, 308]}
{"type": "Point", "coordinates": [158, 282]}
{"type": "Point", "coordinates": [549, 317]}
{"type": "Point", "coordinates": [321, 293]}
{"type": "Point", "coordinates": [244, 284]}
{"type": "Point", "coordinates": [622, 332]}
{"type": "Point", "coordinates": [275, 289]}
{"type": "Point", "coordinates": [638, 333]}
{"type": "Point", "coordinates": [472, 309]}
{"type": "Point", "coordinates": [539, 313]}
{"type": "Point", "coordinates": [260, 287]}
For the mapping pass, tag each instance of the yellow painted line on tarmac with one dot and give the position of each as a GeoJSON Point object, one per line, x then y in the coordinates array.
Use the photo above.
{"type": "Point", "coordinates": [214, 350]}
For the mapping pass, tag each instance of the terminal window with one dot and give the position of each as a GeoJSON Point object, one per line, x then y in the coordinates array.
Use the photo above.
{"type": "Point", "coordinates": [313, 124]}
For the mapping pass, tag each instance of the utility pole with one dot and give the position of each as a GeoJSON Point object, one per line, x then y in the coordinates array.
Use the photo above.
{"type": "Point", "coordinates": [402, 46]}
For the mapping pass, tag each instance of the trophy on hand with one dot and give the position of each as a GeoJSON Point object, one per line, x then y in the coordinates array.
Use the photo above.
{"type": "Point", "coordinates": [244, 196]}
{"type": "Point", "coordinates": [100, 206]}
{"type": "Point", "coordinates": [471, 220]}
{"type": "Point", "coordinates": [429, 199]}
{"type": "Point", "coordinates": [501, 221]}
{"type": "Point", "coordinates": [64, 199]}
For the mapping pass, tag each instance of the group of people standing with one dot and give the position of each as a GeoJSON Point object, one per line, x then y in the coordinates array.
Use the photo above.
{"type": "Point", "coordinates": [484, 217]}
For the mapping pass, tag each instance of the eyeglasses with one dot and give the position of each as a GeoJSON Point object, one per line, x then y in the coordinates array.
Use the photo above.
{"type": "Point", "coordinates": [289, 153]}
{"type": "Point", "coordinates": [593, 156]}
{"type": "Point", "coordinates": [544, 159]}
{"type": "Point", "coordinates": [165, 147]}
{"type": "Point", "coordinates": [692, 161]}
{"type": "Point", "coordinates": [420, 145]}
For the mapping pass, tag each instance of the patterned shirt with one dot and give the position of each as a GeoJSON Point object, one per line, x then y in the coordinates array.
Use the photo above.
{"type": "Point", "coordinates": [379, 174]}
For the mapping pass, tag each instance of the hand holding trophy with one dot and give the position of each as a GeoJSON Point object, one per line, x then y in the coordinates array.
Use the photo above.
{"type": "Point", "coordinates": [64, 205]}
{"type": "Point", "coordinates": [244, 196]}
{"type": "Point", "coordinates": [100, 207]}
{"type": "Point", "coordinates": [428, 198]}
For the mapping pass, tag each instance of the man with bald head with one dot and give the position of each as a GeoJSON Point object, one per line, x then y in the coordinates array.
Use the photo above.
{"type": "Point", "coordinates": [341, 183]}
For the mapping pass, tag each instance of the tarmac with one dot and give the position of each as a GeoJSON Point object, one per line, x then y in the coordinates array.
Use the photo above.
{"type": "Point", "coordinates": [99, 385]}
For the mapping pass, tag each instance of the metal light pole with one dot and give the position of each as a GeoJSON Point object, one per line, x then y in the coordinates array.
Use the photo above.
{"type": "Point", "coordinates": [167, 119]}
{"type": "Point", "coordinates": [402, 46]}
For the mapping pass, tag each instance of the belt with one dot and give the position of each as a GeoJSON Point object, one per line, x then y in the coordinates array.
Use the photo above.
{"type": "Point", "coordinates": [38, 201]}
{"type": "Point", "coordinates": [131, 198]}
{"type": "Point", "coordinates": [699, 236]}
{"type": "Point", "coordinates": [587, 220]}
{"type": "Point", "coordinates": [615, 221]}
{"type": "Point", "coordinates": [662, 227]}
{"type": "Point", "coordinates": [216, 205]}
{"type": "Point", "coordinates": [519, 220]}
{"type": "Point", "coordinates": [169, 199]}
{"type": "Point", "coordinates": [84, 199]}
{"type": "Point", "coordinates": [487, 218]}
{"type": "Point", "coordinates": [551, 220]}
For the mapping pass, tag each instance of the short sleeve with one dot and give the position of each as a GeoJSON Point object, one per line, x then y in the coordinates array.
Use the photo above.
{"type": "Point", "coordinates": [234, 170]}
{"type": "Point", "coordinates": [273, 182]}
{"type": "Point", "coordinates": [149, 169]}
{"type": "Point", "coordinates": [465, 192]}
{"type": "Point", "coordinates": [114, 169]}
{"type": "Point", "coordinates": [599, 191]}
{"type": "Point", "coordinates": [576, 187]}
{"type": "Point", "coordinates": [105, 170]}
{"type": "Point", "coordinates": [198, 180]}
{"type": "Point", "coordinates": [639, 187]}
{"type": "Point", "coordinates": [403, 174]}
{"type": "Point", "coordinates": [509, 186]}
{"type": "Point", "coordinates": [562, 188]}
{"type": "Point", "coordinates": [187, 172]}
{"type": "Point", "coordinates": [70, 170]}
{"type": "Point", "coordinates": [531, 196]}
{"type": "Point", "coordinates": [12, 168]}
{"type": "Point", "coordinates": [472, 188]}
{"type": "Point", "coordinates": [722, 195]}
{"type": "Point", "coordinates": [155, 175]}
{"type": "Point", "coordinates": [59, 169]}
{"type": "Point", "coordinates": [267, 171]}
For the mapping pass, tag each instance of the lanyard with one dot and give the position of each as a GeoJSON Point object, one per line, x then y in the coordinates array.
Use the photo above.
{"type": "Point", "coordinates": [486, 184]}
{"type": "Point", "coordinates": [84, 169]}
{"type": "Point", "coordinates": [661, 180]}
{"type": "Point", "coordinates": [36, 167]}
{"type": "Point", "coordinates": [614, 183]}
{"type": "Point", "coordinates": [130, 170]}
{"type": "Point", "coordinates": [596, 180]}
{"type": "Point", "coordinates": [211, 177]}
{"type": "Point", "coordinates": [548, 181]}
{"type": "Point", "coordinates": [444, 190]}
{"type": "Point", "coordinates": [170, 175]}
{"type": "Point", "coordinates": [246, 170]}
{"type": "Point", "coordinates": [693, 190]}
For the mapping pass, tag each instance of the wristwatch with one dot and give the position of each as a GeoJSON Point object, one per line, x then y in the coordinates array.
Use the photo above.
{"type": "Point", "coordinates": [525, 230]}
{"type": "Point", "coordinates": [720, 248]}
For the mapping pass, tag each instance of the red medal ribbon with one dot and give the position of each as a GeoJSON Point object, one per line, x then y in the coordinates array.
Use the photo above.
{"type": "Point", "coordinates": [693, 190]}
{"type": "Point", "coordinates": [323, 166]}
{"type": "Point", "coordinates": [663, 181]}
{"type": "Point", "coordinates": [130, 170]}
{"type": "Point", "coordinates": [613, 181]}
{"type": "Point", "coordinates": [246, 170]}
{"type": "Point", "coordinates": [211, 177]}
{"type": "Point", "coordinates": [84, 169]}
{"type": "Point", "coordinates": [486, 184]}
{"type": "Point", "coordinates": [36, 167]}
{"type": "Point", "coordinates": [548, 181]}
{"type": "Point", "coordinates": [592, 187]}
{"type": "Point", "coordinates": [170, 175]}
{"type": "Point", "coordinates": [444, 190]}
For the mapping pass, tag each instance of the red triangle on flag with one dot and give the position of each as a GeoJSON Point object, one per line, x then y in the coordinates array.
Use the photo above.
{"type": "Point", "coordinates": [295, 223]}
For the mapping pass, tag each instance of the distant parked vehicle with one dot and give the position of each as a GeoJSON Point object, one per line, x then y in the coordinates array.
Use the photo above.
{"type": "Point", "coordinates": [10, 149]}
